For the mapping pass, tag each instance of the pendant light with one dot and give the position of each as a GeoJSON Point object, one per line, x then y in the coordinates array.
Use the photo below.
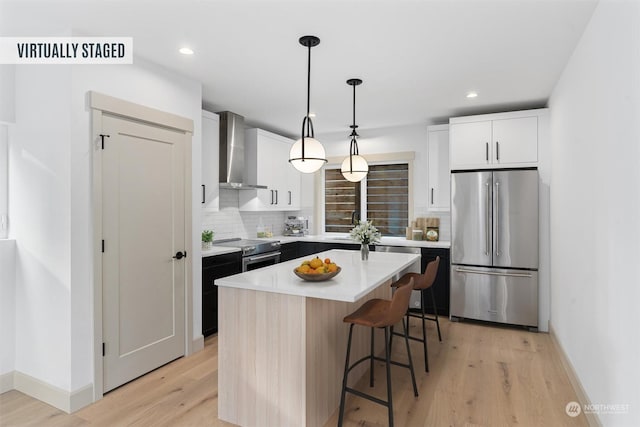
{"type": "Point", "coordinates": [354, 168]}
{"type": "Point", "coordinates": [307, 154]}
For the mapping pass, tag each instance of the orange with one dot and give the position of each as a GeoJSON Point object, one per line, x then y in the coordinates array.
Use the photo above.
{"type": "Point", "coordinates": [332, 267]}
{"type": "Point", "coordinates": [327, 260]}
{"type": "Point", "coordinates": [304, 268]}
{"type": "Point", "coordinates": [315, 263]}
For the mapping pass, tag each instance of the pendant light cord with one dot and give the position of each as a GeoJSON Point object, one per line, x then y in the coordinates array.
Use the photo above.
{"type": "Point", "coordinates": [308, 84]}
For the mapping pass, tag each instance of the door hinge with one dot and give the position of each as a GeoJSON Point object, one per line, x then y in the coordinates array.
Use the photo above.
{"type": "Point", "coordinates": [102, 137]}
{"type": "Point", "coordinates": [103, 246]}
{"type": "Point", "coordinates": [103, 349]}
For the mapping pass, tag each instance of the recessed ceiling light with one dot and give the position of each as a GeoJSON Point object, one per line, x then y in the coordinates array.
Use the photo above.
{"type": "Point", "coordinates": [186, 51]}
{"type": "Point", "coordinates": [472, 94]}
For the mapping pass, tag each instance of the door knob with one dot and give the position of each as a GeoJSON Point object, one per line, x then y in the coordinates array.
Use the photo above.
{"type": "Point", "coordinates": [180, 255]}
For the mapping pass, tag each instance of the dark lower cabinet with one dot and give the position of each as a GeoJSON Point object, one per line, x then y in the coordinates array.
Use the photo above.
{"type": "Point", "coordinates": [299, 249]}
{"type": "Point", "coordinates": [442, 283]}
{"type": "Point", "coordinates": [215, 267]}
{"type": "Point", "coordinates": [289, 251]}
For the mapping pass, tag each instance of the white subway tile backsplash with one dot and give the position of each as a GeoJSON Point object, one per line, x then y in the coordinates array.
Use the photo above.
{"type": "Point", "coordinates": [229, 222]}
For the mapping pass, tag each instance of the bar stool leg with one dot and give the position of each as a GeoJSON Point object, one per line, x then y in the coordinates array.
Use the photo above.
{"type": "Point", "coordinates": [424, 334]}
{"type": "Point", "coordinates": [435, 311]}
{"type": "Point", "coordinates": [388, 360]}
{"type": "Point", "coordinates": [371, 357]}
{"type": "Point", "coordinates": [413, 375]}
{"type": "Point", "coordinates": [344, 378]}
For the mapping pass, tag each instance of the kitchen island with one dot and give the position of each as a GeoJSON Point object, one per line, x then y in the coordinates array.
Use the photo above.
{"type": "Point", "coordinates": [282, 342]}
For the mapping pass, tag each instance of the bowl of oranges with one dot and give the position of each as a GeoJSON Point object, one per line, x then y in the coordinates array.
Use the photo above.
{"type": "Point", "coordinates": [317, 270]}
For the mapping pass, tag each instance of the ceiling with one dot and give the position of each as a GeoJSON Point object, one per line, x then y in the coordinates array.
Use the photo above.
{"type": "Point", "coordinates": [418, 59]}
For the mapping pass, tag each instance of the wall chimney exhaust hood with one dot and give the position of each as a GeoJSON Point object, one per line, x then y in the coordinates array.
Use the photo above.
{"type": "Point", "coordinates": [232, 153]}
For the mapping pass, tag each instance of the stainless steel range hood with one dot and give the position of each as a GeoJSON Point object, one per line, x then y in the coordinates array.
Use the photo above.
{"type": "Point", "coordinates": [232, 153]}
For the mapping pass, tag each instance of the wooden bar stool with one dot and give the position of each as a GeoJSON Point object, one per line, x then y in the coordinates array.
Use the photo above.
{"type": "Point", "coordinates": [379, 313]}
{"type": "Point", "coordinates": [422, 283]}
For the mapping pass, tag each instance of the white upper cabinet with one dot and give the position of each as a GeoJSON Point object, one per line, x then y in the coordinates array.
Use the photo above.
{"type": "Point", "coordinates": [516, 140]}
{"type": "Point", "coordinates": [470, 144]}
{"type": "Point", "coordinates": [210, 161]}
{"type": "Point", "coordinates": [267, 163]}
{"type": "Point", "coordinates": [438, 167]}
{"type": "Point", "coordinates": [494, 140]}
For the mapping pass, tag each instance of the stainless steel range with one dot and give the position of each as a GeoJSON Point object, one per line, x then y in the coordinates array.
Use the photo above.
{"type": "Point", "coordinates": [255, 253]}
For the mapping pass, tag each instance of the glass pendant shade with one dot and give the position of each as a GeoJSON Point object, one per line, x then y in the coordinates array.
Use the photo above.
{"type": "Point", "coordinates": [314, 155]}
{"type": "Point", "coordinates": [354, 168]}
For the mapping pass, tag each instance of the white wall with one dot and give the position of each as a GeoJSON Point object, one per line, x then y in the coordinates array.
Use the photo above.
{"type": "Point", "coordinates": [50, 207]}
{"type": "Point", "coordinates": [39, 210]}
{"type": "Point", "coordinates": [7, 307]}
{"type": "Point", "coordinates": [7, 93]}
{"type": "Point", "coordinates": [595, 200]}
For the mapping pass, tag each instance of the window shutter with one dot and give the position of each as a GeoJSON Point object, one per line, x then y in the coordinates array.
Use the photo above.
{"type": "Point", "coordinates": [388, 198]}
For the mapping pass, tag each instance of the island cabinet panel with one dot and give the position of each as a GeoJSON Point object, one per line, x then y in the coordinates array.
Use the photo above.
{"type": "Point", "coordinates": [293, 350]}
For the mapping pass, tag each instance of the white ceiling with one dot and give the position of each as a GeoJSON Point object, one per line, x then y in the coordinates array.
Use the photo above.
{"type": "Point", "coordinates": [418, 59]}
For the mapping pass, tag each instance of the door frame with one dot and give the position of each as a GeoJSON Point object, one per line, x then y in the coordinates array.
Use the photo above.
{"type": "Point", "coordinates": [99, 105]}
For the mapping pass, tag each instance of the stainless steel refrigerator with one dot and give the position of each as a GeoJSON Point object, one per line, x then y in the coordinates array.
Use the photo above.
{"type": "Point", "coordinates": [494, 246]}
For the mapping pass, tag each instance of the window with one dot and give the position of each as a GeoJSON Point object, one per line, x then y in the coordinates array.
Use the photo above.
{"type": "Point", "coordinates": [341, 202]}
{"type": "Point", "coordinates": [382, 197]}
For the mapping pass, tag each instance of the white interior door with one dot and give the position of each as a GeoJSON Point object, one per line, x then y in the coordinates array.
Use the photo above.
{"type": "Point", "coordinates": [143, 206]}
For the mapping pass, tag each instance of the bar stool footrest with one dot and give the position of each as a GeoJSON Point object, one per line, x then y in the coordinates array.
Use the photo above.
{"type": "Point", "coordinates": [367, 396]}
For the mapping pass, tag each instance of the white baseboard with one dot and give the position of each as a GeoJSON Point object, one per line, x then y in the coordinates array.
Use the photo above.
{"type": "Point", "coordinates": [80, 398]}
{"type": "Point", "coordinates": [197, 344]}
{"type": "Point", "coordinates": [64, 400]}
{"type": "Point", "coordinates": [6, 382]}
{"type": "Point", "coordinates": [581, 394]}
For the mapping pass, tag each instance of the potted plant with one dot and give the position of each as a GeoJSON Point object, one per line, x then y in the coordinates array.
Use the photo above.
{"type": "Point", "coordinates": [207, 240]}
{"type": "Point", "coordinates": [367, 234]}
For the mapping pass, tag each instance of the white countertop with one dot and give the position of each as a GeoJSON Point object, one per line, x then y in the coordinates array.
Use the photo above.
{"type": "Point", "coordinates": [219, 250]}
{"type": "Point", "coordinates": [356, 279]}
{"type": "Point", "coordinates": [385, 241]}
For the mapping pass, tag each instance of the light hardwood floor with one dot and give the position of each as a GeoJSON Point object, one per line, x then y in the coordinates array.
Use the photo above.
{"type": "Point", "coordinates": [480, 376]}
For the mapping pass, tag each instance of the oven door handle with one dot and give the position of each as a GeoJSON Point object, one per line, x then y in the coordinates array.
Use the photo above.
{"type": "Point", "coordinates": [261, 257]}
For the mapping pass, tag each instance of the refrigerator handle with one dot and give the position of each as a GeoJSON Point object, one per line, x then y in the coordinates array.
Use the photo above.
{"type": "Point", "coordinates": [488, 226]}
{"type": "Point", "coordinates": [497, 224]}
{"type": "Point", "coordinates": [492, 273]}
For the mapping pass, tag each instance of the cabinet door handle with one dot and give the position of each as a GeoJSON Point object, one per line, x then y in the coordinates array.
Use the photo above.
{"type": "Point", "coordinates": [486, 151]}
{"type": "Point", "coordinates": [497, 150]}
{"type": "Point", "coordinates": [276, 196]}
{"type": "Point", "coordinates": [203, 193]}
{"type": "Point", "coordinates": [289, 197]}
{"type": "Point", "coordinates": [271, 196]}
{"type": "Point", "coordinates": [431, 195]}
